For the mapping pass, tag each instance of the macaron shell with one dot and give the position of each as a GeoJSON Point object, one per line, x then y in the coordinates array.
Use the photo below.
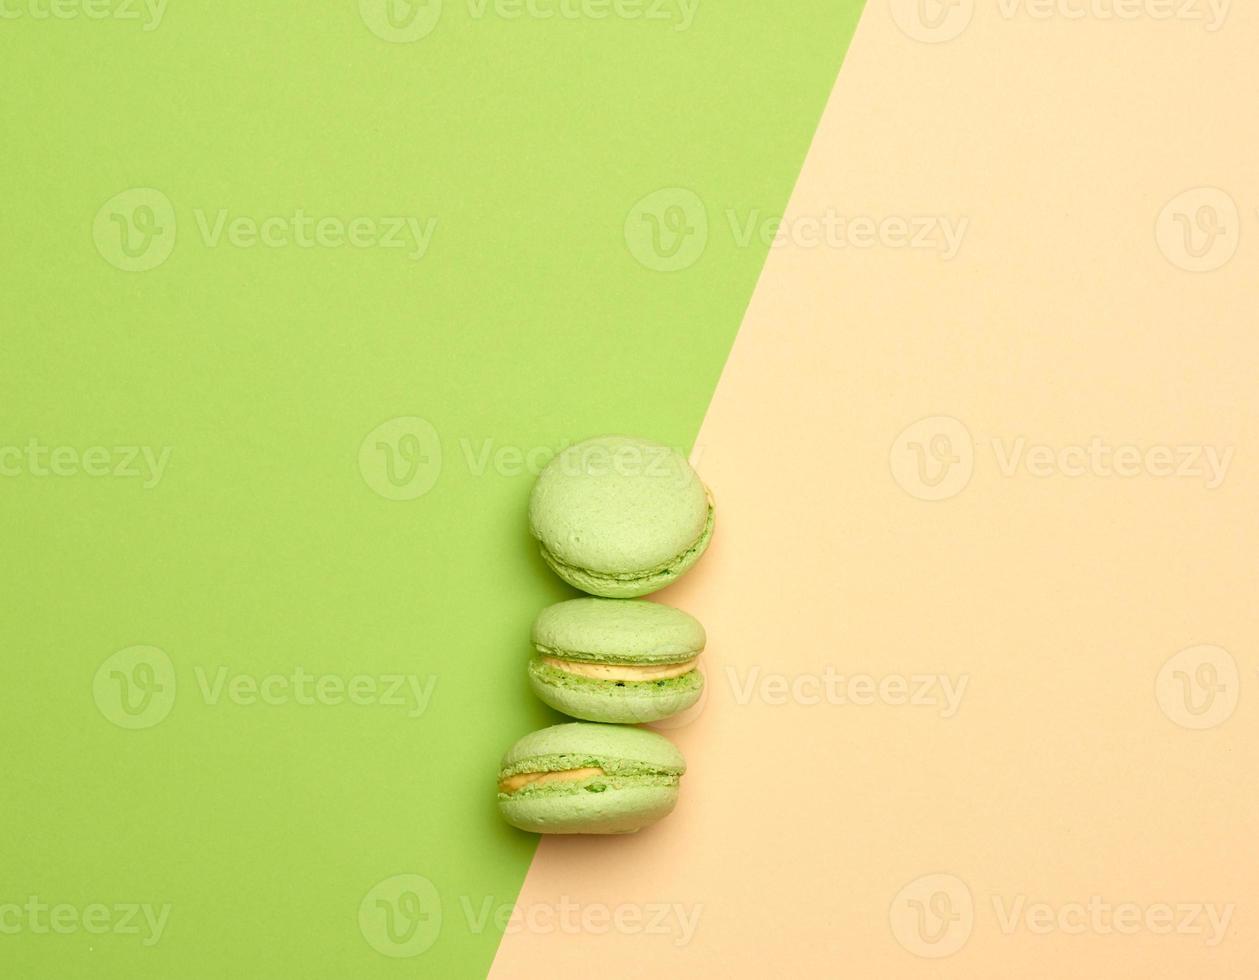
{"type": "Point", "coordinates": [633, 703]}
{"type": "Point", "coordinates": [615, 505]}
{"type": "Point", "coordinates": [621, 811]}
{"type": "Point", "coordinates": [598, 741]}
{"type": "Point", "coordinates": [613, 586]}
{"type": "Point", "coordinates": [618, 630]}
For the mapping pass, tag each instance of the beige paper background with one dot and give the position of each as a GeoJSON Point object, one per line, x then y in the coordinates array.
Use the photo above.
{"type": "Point", "coordinates": [1068, 313]}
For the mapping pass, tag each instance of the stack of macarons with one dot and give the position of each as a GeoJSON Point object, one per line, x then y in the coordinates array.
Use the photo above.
{"type": "Point", "coordinates": [618, 518]}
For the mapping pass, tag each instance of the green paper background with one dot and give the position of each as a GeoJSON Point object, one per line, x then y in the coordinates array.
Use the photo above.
{"type": "Point", "coordinates": [263, 549]}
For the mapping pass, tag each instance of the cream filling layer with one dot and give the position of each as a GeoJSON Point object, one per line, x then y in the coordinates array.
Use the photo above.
{"type": "Point", "coordinates": [519, 781]}
{"type": "Point", "coordinates": [622, 672]}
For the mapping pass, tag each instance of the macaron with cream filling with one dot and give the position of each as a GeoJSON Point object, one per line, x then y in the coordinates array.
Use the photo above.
{"type": "Point", "coordinates": [582, 778]}
{"type": "Point", "coordinates": [617, 660]}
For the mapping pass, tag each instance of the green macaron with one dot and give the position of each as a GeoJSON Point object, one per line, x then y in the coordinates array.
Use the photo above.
{"type": "Point", "coordinates": [582, 778]}
{"type": "Point", "coordinates": [616, 660]}
{"type": "Point", "coordinates": [620, 517]}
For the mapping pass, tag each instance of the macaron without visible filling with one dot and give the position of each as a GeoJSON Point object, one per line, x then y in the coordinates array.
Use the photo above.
{"type": "Point", "coordinates": [583, 778]}
{"type": "Point", "coordinates": [617, 660]}
{"type": "Point", "coordinates": [620, 517]}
